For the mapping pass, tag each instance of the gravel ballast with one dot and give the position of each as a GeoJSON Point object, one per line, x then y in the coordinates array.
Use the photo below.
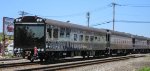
{"type": "Point", "coordinates": [126, 65]}
{"type": "Point", "coordinates": [133, 64]}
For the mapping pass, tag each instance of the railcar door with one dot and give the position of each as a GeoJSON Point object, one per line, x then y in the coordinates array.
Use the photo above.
{"type": "Point", "coordinates": [108, 39]}
{"type": "Point", "coordinates": [133, 43]}
{"type": "Point", "coordinates": [108, 42]}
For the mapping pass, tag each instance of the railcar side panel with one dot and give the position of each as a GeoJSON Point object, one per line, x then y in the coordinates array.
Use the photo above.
{"type": "Point", "coordinates": [121, 42]}
{"type": "Point", "coordinates": [140, 44]}
{"type": "Point", "coordinates": [60, 38]}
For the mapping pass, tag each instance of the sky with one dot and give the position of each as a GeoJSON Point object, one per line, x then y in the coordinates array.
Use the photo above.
{"type": "Point", "coordinates": [101, 11]}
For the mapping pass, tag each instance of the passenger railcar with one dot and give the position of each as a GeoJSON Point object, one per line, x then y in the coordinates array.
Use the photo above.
{"type": "Point", "coordinates": [120, 42]}
{"type": "Point", "coordinates": [141, 44]}
{"type": "Point", "coordinates": [75, 39]}
{"type": "Point", "coordinates": [56, 39]}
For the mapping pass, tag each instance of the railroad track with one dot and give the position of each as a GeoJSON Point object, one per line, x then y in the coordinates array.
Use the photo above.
{"type": "Point", "coordinates": [78, 63]}
{"type": "Point", "coordinates": [5, 59]}
{"type": "Point", "coordinates": [11, 65]}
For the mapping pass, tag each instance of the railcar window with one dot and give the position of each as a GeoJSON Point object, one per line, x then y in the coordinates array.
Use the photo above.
{"type": "Point", "coordinates": [81, 38]}
{"type": "Point", "coordinates": [99, 39]}
{"type": "Point", "coordinates": [95, 38]}
{"type": "Point", "coordinates": [62, 32]}
{"type": "Point", "coordinates": [49, 30]}
{"type": "Point", "coordinates": [86, 38]}
{"type": "Point", "coordinates": [68, 32]}
{"type": "Point", "coordinates": [117, 40]}
{"type": "Point", "coordinates": [29, 35]}
{"type": "Point", "coordinates": [148, 42]}
{"type": "Point", "coordinates": [103, 38]}
{"type": "Point", "coordinates": [75, 37]}
{"type": "Point", "coordinates": [91, 38]}
{"type": "Point", "coordinates": [55, 33]}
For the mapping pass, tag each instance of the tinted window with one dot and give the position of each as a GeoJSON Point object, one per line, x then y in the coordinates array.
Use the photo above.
{"type": "Point", "coordinates": [68, 32]}
{"type": "Point", "coordinates": [62, 31]}
{"type": "Point", "coordinates": [81, 38]}
{"type": "Point", "coordinates": [75, 37]}
{"type": "Point", "coordinates": [28, 36]}
{"type": "Point", "coordinates": [55, 33]}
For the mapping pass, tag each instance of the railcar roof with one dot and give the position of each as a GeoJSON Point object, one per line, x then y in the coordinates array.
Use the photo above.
{"type": "Point", "coordinates": [71, 25]}
{"type": "Point", "coordinates": [128, 35]}
{"type": "Point", "coordinates": [29, 18]}
{"type": "Point", "coordinates": [119, 33]}
{"type": "Point", "coordinates": [60, 23]}
{"type": "Point", "coordinates": [141, 37]}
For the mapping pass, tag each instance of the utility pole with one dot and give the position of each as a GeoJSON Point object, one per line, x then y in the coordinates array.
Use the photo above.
{"type": "Point", "coordinates": [88, 18]}
{"type": "Point", "coordinates": [114, 4]}
{"type": "Point", "coordinates": [22, 13]}
{"type": "Point", "coordinates": [3, 47]}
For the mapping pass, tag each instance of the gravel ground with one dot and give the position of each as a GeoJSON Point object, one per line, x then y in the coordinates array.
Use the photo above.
{"type": "Point", "coordinates": [18, 67]}
{"type": "Point", "coordinates": [13, 61]}
{"type": "Point", "coordinates": [125, 65]}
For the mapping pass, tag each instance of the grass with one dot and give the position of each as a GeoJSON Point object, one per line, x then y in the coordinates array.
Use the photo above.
{"type": "Point", "coordinates": [145, 69]}
{"type": "Point", "coordinates": [1, 36]}
{"type": "Point", "coordinates": [8, 55]}
{"type": "Point", "coordinates": [6, 36]}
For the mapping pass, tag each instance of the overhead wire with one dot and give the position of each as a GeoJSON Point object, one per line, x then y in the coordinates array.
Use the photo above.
{"type": "Point", "coordinates": [124, 21]}
{"type": "Point", "coordinates": [128, 21]}
{"type": "Point", "coordinates": [132, 5]}
{"type": "Point", "coordinates": [80, 13]}
{"type": "Point", "coordinates": [99, 9]}
{"type": "Point", "coordinates": [106, 22]}
{"type": "Point", "coordinates": [139, 6]}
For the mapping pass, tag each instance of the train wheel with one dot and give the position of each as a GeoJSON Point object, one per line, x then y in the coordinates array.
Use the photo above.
{"type": "Point", "coordinates": [41, 59]}
{"type": "Point", "coordinates": [32, 59]}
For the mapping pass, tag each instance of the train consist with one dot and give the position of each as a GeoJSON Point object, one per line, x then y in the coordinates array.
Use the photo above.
{"type": "Point", "coordinates": [56, 39]}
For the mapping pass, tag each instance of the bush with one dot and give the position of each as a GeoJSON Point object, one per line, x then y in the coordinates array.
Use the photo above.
{"type": "Point", "coordinates": [145, 69]}
{"type": "Point", "coordinates": [8, 55]}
